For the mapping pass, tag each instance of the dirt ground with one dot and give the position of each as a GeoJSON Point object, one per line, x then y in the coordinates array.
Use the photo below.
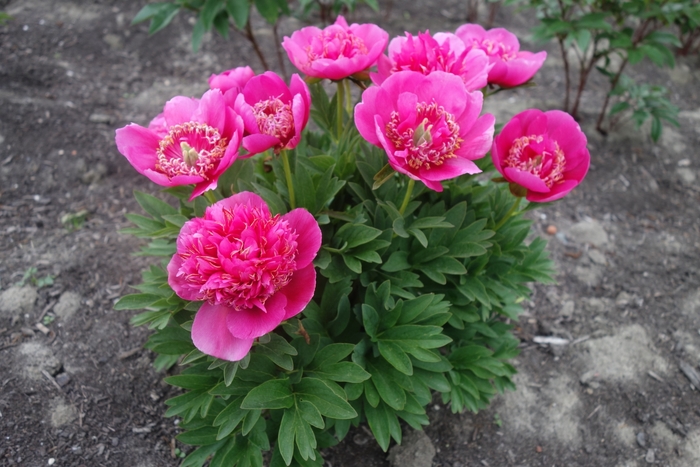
{"type": "Point", "coordinates": [76, 387]}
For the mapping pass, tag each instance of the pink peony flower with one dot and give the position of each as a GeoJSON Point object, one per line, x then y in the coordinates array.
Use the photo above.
{"type": "Point", "coordinates": [442, 52]}
{"type": "Point", "coordinates": [429, 125]}
{"type": "Point", "coordinates": [192, 142]}
{"type": "Point", "coordinates": [274, 114]}
{"type": "Point", "coordinates": [510, 66]}
{"type": "Point", "coordinates": [253, 271]}
{"type": "Point", "coordinates": [234, 79]}
{"type": "Point", "coordinates": [337, 51]}
{"type": "Point", "coordinates": [543, 152]}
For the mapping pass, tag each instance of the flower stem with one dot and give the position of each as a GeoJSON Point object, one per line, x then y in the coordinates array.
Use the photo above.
{"type": "Point", "coordinates": [209, 195]}
{"type": "Point", "coordinates": [407, 198]}
{"type": "Point", "coordinates": [511, 212]}
{"type": "Point", "coordinates": [288, 176]}
{"type": "Point", "coordinates": [348, 97]}
{"type": "Point", "coordinates": [340, 101]}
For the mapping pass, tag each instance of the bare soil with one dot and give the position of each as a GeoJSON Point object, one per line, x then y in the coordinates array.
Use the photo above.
{"type": "Point", "coordinates": [76, 387]}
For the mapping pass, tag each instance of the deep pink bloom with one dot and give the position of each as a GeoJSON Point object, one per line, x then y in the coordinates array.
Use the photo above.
{"type": "Point", "coordinates": [337, 51]}
{"type": "Point", "coordinates": [234, 79]}
{"type": "Point", "coordinates": [543, 152]}
{"type": "Point", "coordinates": [252, 270]}
{"type": "Point", "coordinates": [192, 142]}
{"type": "Point", "coordinates": [511, 67]}
{"type": "Point", "coordinates": [274, 114]}
{"type": "Point", "coordinates": [442, 52]}
{"type": "Point", "coordinates": [429, 125]}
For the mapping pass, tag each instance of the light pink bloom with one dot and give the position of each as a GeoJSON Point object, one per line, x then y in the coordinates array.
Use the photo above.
{"type": "Point", "coordinates": [274, 114]}
{"type": "Point", "coordinates": [234, 79]}
{"type": "Point", "coordinates": [442, 52]}
{"type": "Point", "coordinates": [337, 51]}
{"type": "Point", "coordinates": [192, 142]}
{"type": "Point", "coordinates": [429, 125]}
{"type": "Point", "coordinates": [252, 270]}
{"type": "Point", "coordinates": [511, 67]}
{"type": "Point", "coordinates": [543, 152]}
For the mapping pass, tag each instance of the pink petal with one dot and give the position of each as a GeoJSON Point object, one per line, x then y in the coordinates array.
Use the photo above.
{"type": "Point", "coordinates": [299, 291]}
{"type": "Point", "coordinates": [138, 145]}
{"type": "Point", "coordinates": [211, 336]}
{"type": "Point", "coordinates": [558, 191]}
{"type": "Point", "coordinates": [264, 87]}
{"type": "Point", "coordinates": [309, 235]}
{"type": "Point", "coordinates": [451, 168]}
{"type": "Point", "coordinates": [212, 110]}
{"type": "Point", "coordinates": [526, 180]}
{"type": "Point", "coordinates": [179, 109]}
{"type": "Point", "coordinates": [178, 283]}
{"type": "Point", "coordinates": [245, 197]}
{"type": "Point", "coordinates": [258, 143]}
{"type": "Point", "coordinates": [479, 139]}
{"type": "Point", "coordinates": [254, 322]}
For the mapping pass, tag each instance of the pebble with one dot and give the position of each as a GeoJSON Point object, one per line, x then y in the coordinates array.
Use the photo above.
{"type": "Point", "coordinates": [67, 305]}
{"type": "Point", "coordinates": [598, 257]}
{"type": "Point", "coordinates": [17, 301]}
{"type": "Point", "coordinates": [650, 458]}
{"type": "Point", "coordinates": [62, 379]}
{"type": "Point", "coordinates": [415, 450]}
{"type": "Point", "coordinates": [100, 118]}
{"type": "Point", "coordinates": [642, 439]}
{"type": "Point", "coordinates": [551, 230]}
{"type": "Point", "coordinates": [686, 175]}
{"type": "Point", "coordinates": [589, 231]}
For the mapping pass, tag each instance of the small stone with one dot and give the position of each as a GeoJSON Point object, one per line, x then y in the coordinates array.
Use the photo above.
{"type": "Point", "coordinates": [115, 442]}
{"type": "Point", "coordinates": [642, 439]}
{"type": "Point", "coordinates": [623, 299]}
{"type": "Point", "coordinates": [650, 458]}
{"type": "Point", "coordinates": [17, 301]}
{"type": "Point", "coordinates": [68, 304]}
{"type": "Point", "coordinates": [551, 230]}
{"type": "Point", "coordinates": [686, 175]}
{"type": "Point", "coordinates": [589, 231]}
{"type": "Point", "coordinates": [591, 276]}
{"type": "Point", "coordinates": [598, 257]}
{"type": "Point", "coordinates": [415, 450]}
{"type": "Point", "coordinates": [94, 174]}
{"type": "Point", "coordinates": [62, 379]}
{"type": "Point", "coordinates": [100, 118]}
{"type": "Point", "coordinates": [567, 308]}
{"type": "Point", "coordinates": [114, 41]}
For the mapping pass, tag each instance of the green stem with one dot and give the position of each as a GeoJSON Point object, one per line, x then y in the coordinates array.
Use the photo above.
{"type": "Point", "coordinates": [288, 176]}
{"type": "Point", "coordinates": [340, 101]}
{"type": "Point", "coordinates": [209, 195]}
{"type": "Point", "coordinates": [407, 198]}
{"type": "Point", "coordinates": [511, 212]}
{"type": "Point", "coordinates": [348, 97]}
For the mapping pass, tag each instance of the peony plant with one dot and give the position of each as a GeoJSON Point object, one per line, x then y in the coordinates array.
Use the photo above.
{"type": "Point", "coordinates": [307, 283]}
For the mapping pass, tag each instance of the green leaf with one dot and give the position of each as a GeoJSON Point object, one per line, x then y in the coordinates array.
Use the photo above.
{"type": "Point", "coordinates": [330, 354]}
{"type": "Point", "coordinates": [269, 10]}
{"type": "Point", "coordinates": [398, 261]}
{"type": "Point", "coordinates": [384, 424]}
{"type": "Point", "coordinates": [370, 319]}
{"type": "Point", "coordinates": [357, 234]}
{"type": "Point", "coordinates": [345, 372]}
{"type": "Point", "coordinates": [136, 301]}
{"type": "Point", "coordinates": [395, 356]}
{"type": "Point", "coordinates": [293, 428]}
{"type": "Point", "coordinates": [390, 392]}
{"type": "Point", "coordinates": [328, 397]}
{"type": "Point", "coordinates": [239, 11]}
{"type": "Point", "coordinates": [153, 205]}
{"type": "Point", "coordinates": [161, 19]}
{"type": "Point", "coordinates": [199, 456]}
{"type": "Point", "coordinates": [272, 394]}
{"type": "Point", "coordinates": [199, 437]}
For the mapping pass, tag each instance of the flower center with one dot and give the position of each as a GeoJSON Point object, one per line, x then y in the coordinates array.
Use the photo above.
{"type": "Point", "coordinates": [240, 257]}
{"type": "Point", "coordinates": [335, 42]}
{"type": "Point", "coordinates": [190, 149]}
{"type": "Point", "coordinates": [435, 139]}
{"type": "Point", "coordinates": [275, 118]}
{"type": "Point", "coordinates": [495, 49]}
{"type": "Point", "coordinates": [539, 156]}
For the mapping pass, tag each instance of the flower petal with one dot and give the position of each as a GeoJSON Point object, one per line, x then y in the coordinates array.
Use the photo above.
{"type": "Point", "coordinates": [309, 235]}
{"type": "Point", "coordinates": [299, 291]}
{"type": "Point", "coordinates": [254, 322]}
{"type": "Point", "coordinates": [211, 336]}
